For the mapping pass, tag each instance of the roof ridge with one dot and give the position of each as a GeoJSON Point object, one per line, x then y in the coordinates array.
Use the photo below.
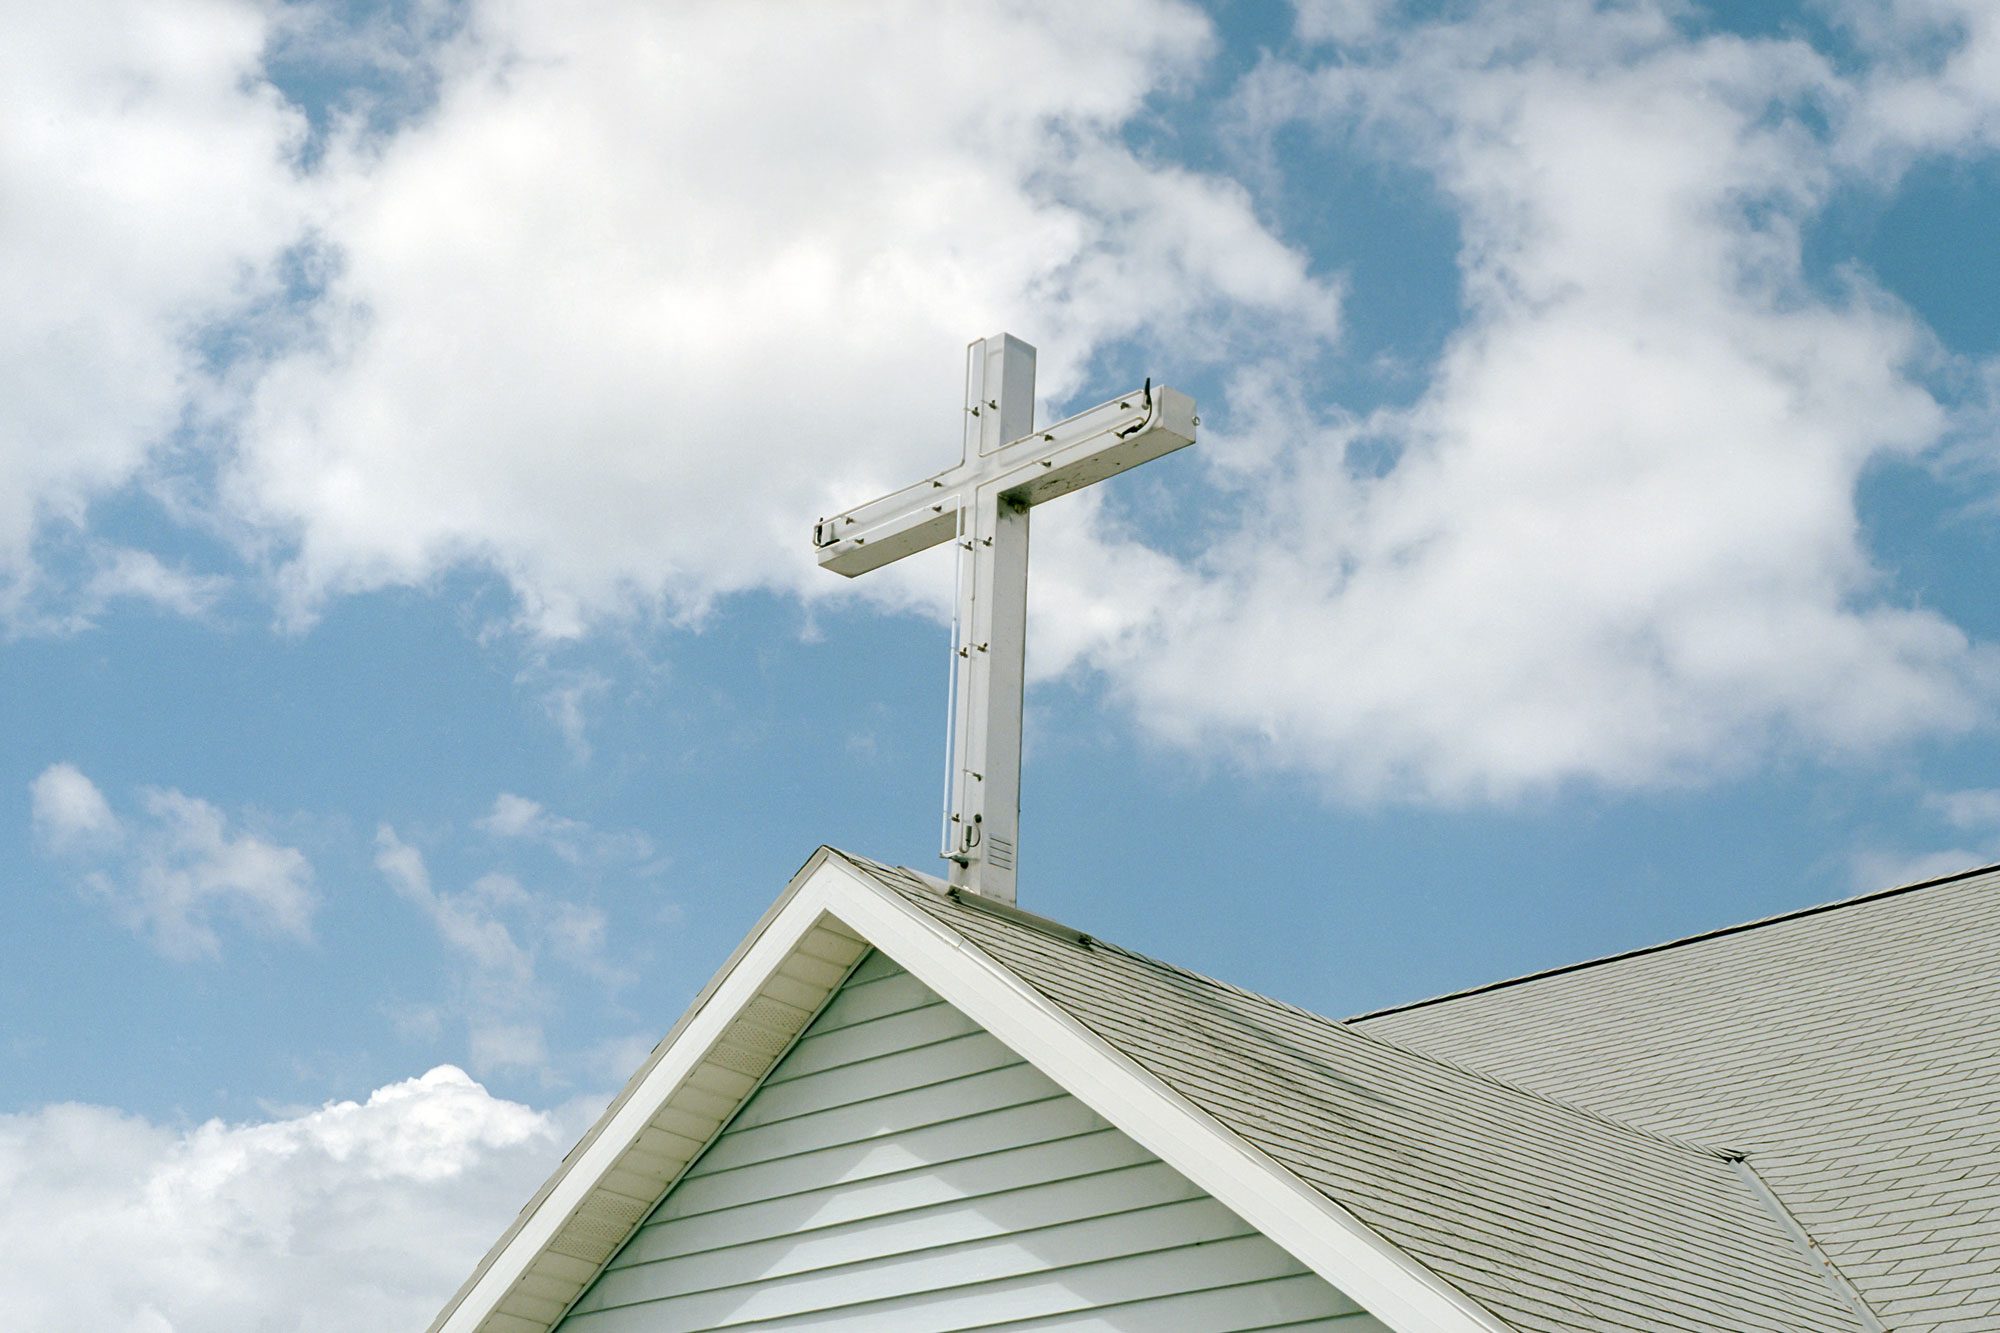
{"type": "Point", "coordinates": [1756, 923]}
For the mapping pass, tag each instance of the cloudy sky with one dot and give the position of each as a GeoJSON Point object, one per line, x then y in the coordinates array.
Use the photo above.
{"type": "Point", "coordinates": [414, 675]}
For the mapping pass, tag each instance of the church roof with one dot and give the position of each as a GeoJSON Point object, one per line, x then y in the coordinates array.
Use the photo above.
{"type": "Point", "coordinates": [1655, 1141]}
{"type": "Point", "coordinates": [1551, 1217]}
{"type": "Point", "coordinates": [1851, 1051]}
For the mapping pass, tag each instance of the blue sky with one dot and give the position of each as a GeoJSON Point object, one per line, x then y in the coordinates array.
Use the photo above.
{"type": "Point", "coordinates": [416, 675]}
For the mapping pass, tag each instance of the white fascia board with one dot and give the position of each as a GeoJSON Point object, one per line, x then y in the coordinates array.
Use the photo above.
{"type": "Point", "coordinates": [1328, 1239]}
{"type": "Point", "coordinates": [796, 913]}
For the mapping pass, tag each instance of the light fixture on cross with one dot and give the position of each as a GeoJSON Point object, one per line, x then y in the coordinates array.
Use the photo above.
{"type": "Point", "coordinates": [1008, 467]}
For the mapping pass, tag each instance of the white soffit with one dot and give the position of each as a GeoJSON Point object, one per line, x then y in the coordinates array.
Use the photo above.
{"type": "Point", "coordinates": [756, 1007]}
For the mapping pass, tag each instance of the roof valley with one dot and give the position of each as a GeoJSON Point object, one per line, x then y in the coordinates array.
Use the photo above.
{"type": "Point", "coordinates": [1810, 1249]}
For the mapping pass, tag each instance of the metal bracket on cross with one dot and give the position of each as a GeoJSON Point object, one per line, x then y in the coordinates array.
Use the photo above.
{"type": "Point", "coordinates": [1008, 466]}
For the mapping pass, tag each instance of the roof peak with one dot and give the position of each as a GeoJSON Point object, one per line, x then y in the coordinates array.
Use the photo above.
{"type": "Point", "coordinates": [1817, 909]}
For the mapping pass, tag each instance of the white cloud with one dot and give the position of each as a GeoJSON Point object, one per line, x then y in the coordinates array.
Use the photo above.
{"type": "Point", "coordinates": [514, 816]}
{"type": "Point", "coordinates": [567, 703]}
{"type": "Point", "coordinates": [1976, 808]}
{"type": "Point", "coordinates": [1873, 870]}
{"type": "Point", "coordinates": [683, 284]}
{"type": "Point", "coordinates": [1932, 84]}
{"type": "Point", "coordinates": [69, 812]}
{"type": "Point", "coordinates": [155, 158]}
{"type": "Point", "coordinates": [495, 932]}
{"type": "Point", "coordinates": [191, 869]}
{"type": "Point", "coordinates": [468, 923]}
{"type": "Point", "coordinates": [649, 287]}
{"type": "Point", "coordinates": [47, 600]}
{"type": "Point", "coordinates": [1618, 539]}
{"type": "Point", "coordinates": [125, 573]}
{"type": "Point", "coordinates": [518, 818]}
{"type": "Point", "coordinates": [653, 285]}
{"type": "Point", "coordinates": [1339, 20]}
{"type": "Point", "coordinates": [355, 1215]}
{"type": "Point", "coordinates": [1971, 814]}
{"type": "Point", "coordinates": [1618, 543]}
{"type": "Point", "coordinates": [174, 870]}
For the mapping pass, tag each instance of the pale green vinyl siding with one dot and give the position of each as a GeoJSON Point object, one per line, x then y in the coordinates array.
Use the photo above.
{"type": "Point", "coordinates": [902, 1170]}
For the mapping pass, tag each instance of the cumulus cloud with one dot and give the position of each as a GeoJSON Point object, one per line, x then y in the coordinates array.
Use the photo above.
{"type": "Point", "coordinates": [1932, 83]}
{"type": "Point", "coordinates": [652, 286]}
{"type": "Point", "coordinates": [157, 159]}
{"type": "Point", "coordinates": [623, 263]}
{"type": "Point", "coordinates": [1616, 538]}
{"type": "Point", "coordinates": [173, 870]}
{"type": "Point", "coordinates": [354, 1215]}
{"type": "Point", "coordinates": [68, 811]}
{"type": "Point", "coordinates": [495, 931]}
{"type": "Point", "coordinates": [645, 289]}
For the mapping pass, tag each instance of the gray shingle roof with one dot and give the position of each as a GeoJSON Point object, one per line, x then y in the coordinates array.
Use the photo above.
{"type": "Point", "coordinates": [1852, 1052]}
{"type": "Point", "coordinates": [1554, 1217]}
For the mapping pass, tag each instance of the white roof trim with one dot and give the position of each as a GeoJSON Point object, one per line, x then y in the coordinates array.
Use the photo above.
{"type": "Point", "coordinates": [525, 1286]}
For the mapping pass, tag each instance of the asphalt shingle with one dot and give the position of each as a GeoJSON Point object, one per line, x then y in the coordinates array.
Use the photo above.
{"type": "Point", "coordinates": [1558, 1218]}
{"type": "Point", "coordinates": [1851, 1052]}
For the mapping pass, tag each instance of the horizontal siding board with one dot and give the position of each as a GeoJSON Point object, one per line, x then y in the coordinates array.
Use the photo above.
{"type": "Point", "coordinates": [1047, 1291]}
{"type": "Point", "coordinates": [860, 1001]}
{"type": "Point", "coordinates": [924, 1271]}
{"type": "Point", "coordinates": [988, 1216]}
{"type": "Point", "coordinates": [1069, 1289]}
{"type": "Point", "coordinates": [867, 1039]}
{"type": "Point", "coordinates": [886, 1155]}
{"type": "Point", "coordinates": [880, 1117]}
{"type": "Point", "coordinates": [878, 967]}
{"type": "Point", "coordinates": [939, 1059]}
{"type": "Point", "coordinates": [902, 1169]}
{"type": "Point", "coordinates": [1294, 1304]}
{"type": "Point", "coordinates": [882, 1196]}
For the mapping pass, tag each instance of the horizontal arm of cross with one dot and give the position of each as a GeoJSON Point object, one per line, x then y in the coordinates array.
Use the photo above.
{"type": "Point", "coordinates": [1055, 460]}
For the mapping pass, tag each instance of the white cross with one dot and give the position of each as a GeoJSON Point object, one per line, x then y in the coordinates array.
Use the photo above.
{"type": "Point", "coordinates": [1008, 466]}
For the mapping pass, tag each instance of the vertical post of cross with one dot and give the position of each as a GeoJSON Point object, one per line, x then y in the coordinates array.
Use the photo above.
{"type": "Point", "coordinates": [1008, 465]}
{"type": "Point", "coordinates": [983, 828]}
